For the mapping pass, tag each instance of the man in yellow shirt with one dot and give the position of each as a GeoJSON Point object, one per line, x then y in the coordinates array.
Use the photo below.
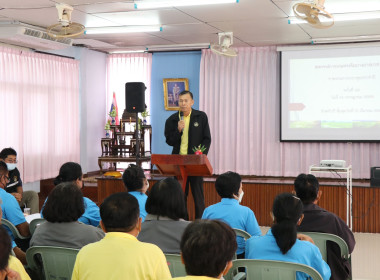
{"type": "Point", "coordinates": [119, 255]}
{"type": "Point", "coordinates": [185, 130]}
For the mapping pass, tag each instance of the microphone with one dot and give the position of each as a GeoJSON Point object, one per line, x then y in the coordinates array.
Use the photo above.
{"type": "Point", "coordinates": [181, 116]}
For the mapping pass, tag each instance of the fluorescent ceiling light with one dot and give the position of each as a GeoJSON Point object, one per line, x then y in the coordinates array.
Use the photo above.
{"type": "Point", "coordinates": [177, 3]}
{"type": "Point", "coordinates": [364, 38]}
{"type": "Point", "coordinates": [122, 29]}
{"type": "Point", "coordinates": [341, 17]}
{"type": "Point", "coordinates": [131, 51]}
{"type": "Point", "coordinates": [178, 47]}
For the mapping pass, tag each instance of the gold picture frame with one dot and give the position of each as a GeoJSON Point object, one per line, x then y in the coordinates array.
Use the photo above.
{"type": "Point", "coordinates": [172, 89]}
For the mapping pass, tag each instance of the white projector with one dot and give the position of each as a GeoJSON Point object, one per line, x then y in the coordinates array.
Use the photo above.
{"type": "Point", "coordinates": [333, 163]}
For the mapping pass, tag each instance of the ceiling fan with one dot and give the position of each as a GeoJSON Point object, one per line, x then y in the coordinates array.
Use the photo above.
{"type": "Point", "coordinates": [314, 13]}
{"type": "Point", "coordinates": [223, 48]}
{"type": "Point", "coordinates": [65, 28]}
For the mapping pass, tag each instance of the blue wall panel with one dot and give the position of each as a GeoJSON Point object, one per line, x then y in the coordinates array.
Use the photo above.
{"type": "Point", "coordinates": [164, 66]}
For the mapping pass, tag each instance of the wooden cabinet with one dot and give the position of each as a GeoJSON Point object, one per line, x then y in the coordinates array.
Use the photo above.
{"type": "Point", "coordinates": [121, 146]}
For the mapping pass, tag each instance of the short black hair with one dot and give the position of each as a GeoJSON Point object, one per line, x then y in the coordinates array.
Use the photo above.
{"type": "Point", "coordinates": [306, 187]}
{"type": "Point", "coordinates": [7, 152]}
{"type": "Point", "coordinates": [3, 171]}
{"type": "Point", "coordinates": [166, 198]}
{"type": "Point", "coordinates": [287, 210]}
{"type": "Point", "coordinates": [3, 168]}
{"type": "Point", "coordinates": [64, 204]}
{"type": "Point", "coordinates": [120, 212]}
{"type": "Point", "coordinates": [228, 184]}
{"type": "Point", "coordinates": [133, 178]}
{"type": "Point", "coordinates": [186, 92]}
{"type": "Point", "coordinates": [69, 172]}
{"type": "Point", "coordinates": [5, 248]}
{"type": "Point", "coordinates": [207, 246]}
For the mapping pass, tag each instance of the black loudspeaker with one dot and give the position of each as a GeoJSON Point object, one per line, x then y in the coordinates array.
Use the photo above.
{"type": "Point", "coordinates": [135, 97]}
{"type": "Point", "coordinates": [375, 176]}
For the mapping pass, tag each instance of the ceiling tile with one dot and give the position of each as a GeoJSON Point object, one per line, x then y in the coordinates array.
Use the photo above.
{"type": "Point", "coordinates": [163, 16]}
{"type": "Point", "coordinates": [106, 7]}
{"type": "Point", "coordinates": [21, 4]}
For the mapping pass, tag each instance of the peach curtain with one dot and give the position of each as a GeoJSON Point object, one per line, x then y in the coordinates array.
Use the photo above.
{"type": "Point", "coordinates": [39, 99]}
{"type": "Point", "coordinates": [241, 97]}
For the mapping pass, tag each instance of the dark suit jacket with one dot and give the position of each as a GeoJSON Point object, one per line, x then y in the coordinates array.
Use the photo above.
{"type": "Point", "coordinates": [199, 132]}
{"type": "Point", "coordinates": [317, 219]}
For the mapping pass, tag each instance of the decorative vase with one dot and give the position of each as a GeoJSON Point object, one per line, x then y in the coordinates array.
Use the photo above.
{"type": "Point", "coordinates": [144, 121]}
{"type": "Point", "coordinates": [113, 121]}
{"type": "Point", "coordinates": [107, 133]}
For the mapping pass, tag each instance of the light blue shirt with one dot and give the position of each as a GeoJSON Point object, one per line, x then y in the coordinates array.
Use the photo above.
{"type": "Point", "coordinates": [11, 210]}
{"type": "Point", "coordinates": [303, 252]}
{"type": "Point", "coordinates": [236, 216]}
{"type": "Point", "coordinates": [141, 198]}
{"type": "Point", "coordinates": [91, 215]}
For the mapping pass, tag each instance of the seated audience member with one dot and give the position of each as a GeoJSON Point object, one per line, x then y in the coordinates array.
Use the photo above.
{"type": "Point", "coordinates": [136, 183]}
{"type": "Point", "coordinates": [119, 255]}
{"type": "Point", "coordinates": [317, 219]}
{"type": "Point", "coordinates": [62, 210]}
{"type": "Point", "coordinates": [72, 172]}
{"type": "Point", "coordinates": [281, 243]}
{"type": "Point", "coordinates": [27, 199]}
{"type": "Point", "coordinates": [5, 251]}
{"type": "Point", "coordinates": [12, 212]}
{"type": "Point", "coordinates": [229, 187]}
{"type": "Point", "coordinates": [165, 222]}
{"type": "Point", "coordinates": [207, 249]}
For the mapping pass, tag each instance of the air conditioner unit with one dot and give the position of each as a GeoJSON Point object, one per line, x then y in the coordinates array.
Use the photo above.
{"type": "Point", "coordinates": [31, 38]}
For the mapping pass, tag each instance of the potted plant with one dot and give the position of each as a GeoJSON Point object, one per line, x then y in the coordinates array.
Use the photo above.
{"type": "Point", "coordinates": [144, 115]}
{"type": "Point", "coordinates": [107, 128]}
{"type": "Point", "coordinates": [112, 114]}
{"type": "Point", "coordinates": [199, 150]}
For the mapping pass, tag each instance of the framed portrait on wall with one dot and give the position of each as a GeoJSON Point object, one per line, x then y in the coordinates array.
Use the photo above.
{"type": "Point", "coordinates": [172, 89]}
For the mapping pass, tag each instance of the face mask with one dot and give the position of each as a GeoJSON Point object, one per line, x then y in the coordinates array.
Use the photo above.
{"type": "Point", "coordinates": [241, 196]}
{"type": "Point", "coordinates": [11, 166]}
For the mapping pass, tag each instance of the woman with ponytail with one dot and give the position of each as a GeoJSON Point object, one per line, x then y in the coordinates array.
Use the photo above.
{"type": "Point", "coordinates": [281, 242]}
{"type": "Point", "coordinates": [72, 172]}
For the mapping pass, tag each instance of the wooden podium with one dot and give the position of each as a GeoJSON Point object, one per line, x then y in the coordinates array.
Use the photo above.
{"type": "Point", "coordinates": [182, 166]}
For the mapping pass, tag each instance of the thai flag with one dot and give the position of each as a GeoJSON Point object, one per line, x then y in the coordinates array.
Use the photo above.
{"type": "Point", "coordinates": [114, 104]}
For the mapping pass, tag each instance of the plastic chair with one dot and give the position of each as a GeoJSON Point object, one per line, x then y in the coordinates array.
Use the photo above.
{"type": "Point", "coordinates": [13, 229]}
{"type": "Point", "coordinates": [35, 223]}
{"type": "Point", "coordinates": [241, 233]}
{"type": "Point", "coordinates": [320, 239]}
{"type": "Point", "coordinates": [52, 262]}
{"type": "Point", "coordinates": [273, 270]}
{"type": "Point", "coordinates": [176, 267]}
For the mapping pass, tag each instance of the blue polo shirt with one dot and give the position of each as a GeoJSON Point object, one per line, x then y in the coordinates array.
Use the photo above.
{"type": "Point", "coordinates": [91, 215]}
{"type": "Point", "coordinates": [237, 216]}
{"type": "Point", "coordinates": [303, 252]}
{"type": "Point", "coordinates": [11, 210]}
{"type": "Point", "coordinates": [141, 198]}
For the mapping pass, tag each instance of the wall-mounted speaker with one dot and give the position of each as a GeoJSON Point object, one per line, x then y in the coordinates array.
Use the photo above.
{"type": "Point", "coordinates": [135, 97]}
{"type": "Point", "coordinates": [375, 176]}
